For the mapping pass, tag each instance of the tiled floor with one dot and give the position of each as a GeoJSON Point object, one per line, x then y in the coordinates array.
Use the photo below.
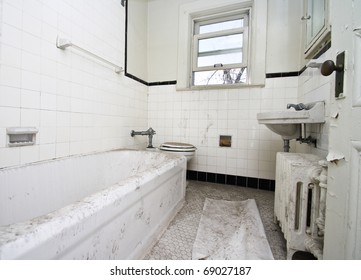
{"type": "Point", "coordinates": [177, 241]}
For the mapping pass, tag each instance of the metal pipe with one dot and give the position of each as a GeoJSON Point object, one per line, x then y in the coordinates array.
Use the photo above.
{"type": "Point", "coordinates": [286, 145]}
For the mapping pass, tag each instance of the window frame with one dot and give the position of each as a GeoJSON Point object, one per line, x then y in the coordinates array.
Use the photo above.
{"type": "Point", "coordinates": [198, 22]}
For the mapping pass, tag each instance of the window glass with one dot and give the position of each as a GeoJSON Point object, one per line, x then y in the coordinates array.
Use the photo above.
{"type": "Point", "coordinates": [220, 77]}
{"type": "Point", "coordinates": [220, 59]}
{"type": "Point", "coordinates": [221, 43]}
{"type": "Point", "coordinates": [225, 25]}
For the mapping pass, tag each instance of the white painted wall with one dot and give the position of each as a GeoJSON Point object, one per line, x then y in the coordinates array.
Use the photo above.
{"type": "Point", "coordinates": [78, 104]}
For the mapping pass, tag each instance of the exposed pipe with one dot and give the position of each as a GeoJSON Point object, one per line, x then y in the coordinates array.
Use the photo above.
{"type": "Point", "coordinates": [286, 145]}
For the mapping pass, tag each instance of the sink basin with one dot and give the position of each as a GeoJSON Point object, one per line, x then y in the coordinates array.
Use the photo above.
{"type": "Point", "coordinates": [288, 123]}
{"type": "Point", "coordinates": [288, 131]}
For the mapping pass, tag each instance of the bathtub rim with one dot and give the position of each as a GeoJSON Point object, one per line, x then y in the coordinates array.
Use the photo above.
{"type": "Point", "coordinates": [45, 161]}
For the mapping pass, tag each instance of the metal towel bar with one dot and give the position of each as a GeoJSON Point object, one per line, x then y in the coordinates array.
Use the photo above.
{"type": "Point", "coordinates": [63, 43]}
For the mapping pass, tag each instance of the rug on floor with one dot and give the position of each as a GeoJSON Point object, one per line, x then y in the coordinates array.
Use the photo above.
{"type": "Point", "coordinates": [231, 230]}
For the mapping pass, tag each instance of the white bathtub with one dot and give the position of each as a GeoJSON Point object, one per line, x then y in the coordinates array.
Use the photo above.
{"type": "Point", "coordinates": [111, 205]}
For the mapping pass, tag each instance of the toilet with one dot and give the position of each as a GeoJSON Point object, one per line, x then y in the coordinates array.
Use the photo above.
{"type": "Point", "coordinates": [185, 149]}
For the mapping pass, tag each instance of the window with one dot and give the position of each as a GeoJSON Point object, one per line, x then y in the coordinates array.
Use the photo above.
{"type": "Point", "coordinates": [225, 38]}
{"type": "Point", "coordinates": [219, 49]}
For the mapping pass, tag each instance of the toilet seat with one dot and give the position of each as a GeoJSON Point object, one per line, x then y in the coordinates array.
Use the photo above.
{"type": "Point", "coordinates": [183, 149]}
{"type": "Point", "coordinates": [177, 147]}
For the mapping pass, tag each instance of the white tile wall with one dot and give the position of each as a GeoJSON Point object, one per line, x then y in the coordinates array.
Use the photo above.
{"type": "Point", "coordinates": [200, 117]}
{"type": "Point", "coordinates": [78, 104]}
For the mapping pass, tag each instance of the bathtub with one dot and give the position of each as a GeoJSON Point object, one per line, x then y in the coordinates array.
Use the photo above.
{"type": "Point", "coordinates": [110, 205]}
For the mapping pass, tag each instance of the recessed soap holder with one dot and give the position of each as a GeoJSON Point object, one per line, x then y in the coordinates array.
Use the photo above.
{"type": "Point", "coordinates": [21, 136]}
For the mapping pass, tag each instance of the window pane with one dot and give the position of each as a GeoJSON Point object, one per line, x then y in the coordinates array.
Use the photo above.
{"type": "Point", "coordinates": [221, 43]}
{"type": "Point", "coordinates": [229, 58]}
{"type": "Point", "coordinates": [220, 77]}
{"type": "Point", "coordinates": [219, 26]}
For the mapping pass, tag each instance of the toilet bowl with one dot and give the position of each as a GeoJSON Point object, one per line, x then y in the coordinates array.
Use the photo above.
{"type": "Point", "coordinates": [184, 149]}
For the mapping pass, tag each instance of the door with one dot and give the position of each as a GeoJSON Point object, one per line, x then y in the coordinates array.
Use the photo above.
{"type": "Point", "coordinates": [343, 204]}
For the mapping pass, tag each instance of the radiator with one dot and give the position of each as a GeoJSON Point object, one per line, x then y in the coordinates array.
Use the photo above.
{"type": "Point", "coordinates": [299, 201]}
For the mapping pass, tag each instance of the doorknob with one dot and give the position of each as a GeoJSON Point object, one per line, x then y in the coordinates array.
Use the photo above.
{"type": "Point", "coordinates": [329, 66]}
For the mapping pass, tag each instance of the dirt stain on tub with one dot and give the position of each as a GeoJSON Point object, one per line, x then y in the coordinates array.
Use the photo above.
{"type": "Point", "coordinates": [122, 232]}
{"type": "Point", "coordinates": [139, 214]}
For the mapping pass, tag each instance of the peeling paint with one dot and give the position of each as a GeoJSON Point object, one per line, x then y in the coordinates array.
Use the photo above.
{"type": "Point", "coordinates": [335, 115]}
{"type": "Point", "coordinates": [335, 157]}
{"type": "Point", "coordinates": [139, 214]}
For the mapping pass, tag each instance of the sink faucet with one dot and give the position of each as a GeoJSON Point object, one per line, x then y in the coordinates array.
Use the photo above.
{"type": "Point", "coordinates": [297, 107]}
{"type": "Point", "coordinates": [150, 132]}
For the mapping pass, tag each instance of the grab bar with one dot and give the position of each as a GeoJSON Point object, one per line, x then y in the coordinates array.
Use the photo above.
{"type": "Point", "coordinates": [63, 43]}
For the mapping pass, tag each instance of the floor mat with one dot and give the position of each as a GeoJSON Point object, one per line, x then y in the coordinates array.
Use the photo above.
{"type": "Point", "coordinates": [231, 230]}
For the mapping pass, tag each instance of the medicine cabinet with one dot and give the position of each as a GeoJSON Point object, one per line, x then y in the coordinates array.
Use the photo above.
{"type": "Point", "coordinates": [316, 25]}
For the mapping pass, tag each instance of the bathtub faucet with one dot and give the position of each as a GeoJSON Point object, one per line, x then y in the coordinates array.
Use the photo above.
{"type": "Point", "coordinates": [150, 132]}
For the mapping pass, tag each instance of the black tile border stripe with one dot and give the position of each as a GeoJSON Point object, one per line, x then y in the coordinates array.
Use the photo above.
{"type": "Point", "coordinates": [165, 83]}
{"type": "Point", "coordinates": [248, 182]}
{"type": "Point", "coordinates": [282, 74]}
{"type": "Point", "coordinates": [136, 78]}
{"type": "Point", "coordinates": [150, 84]}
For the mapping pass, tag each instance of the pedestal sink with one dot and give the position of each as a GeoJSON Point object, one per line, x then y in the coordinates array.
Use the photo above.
{"type": "Point", "coordinates": [288, 123]}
